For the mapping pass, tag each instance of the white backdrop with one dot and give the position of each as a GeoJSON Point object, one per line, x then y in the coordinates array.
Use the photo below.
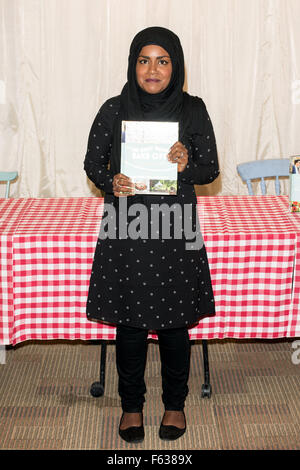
{"type": "Point", "coordinates": [60, 59]}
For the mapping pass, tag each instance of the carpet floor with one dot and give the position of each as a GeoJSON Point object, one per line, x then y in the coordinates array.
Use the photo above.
{"type": "Point", "coordinates": [45, 400]}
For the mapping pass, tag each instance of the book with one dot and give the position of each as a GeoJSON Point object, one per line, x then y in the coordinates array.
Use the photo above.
{"type": "Point", "coordinates": [144, 149]}
{"type": "Point", "coordinates": [294, 183]}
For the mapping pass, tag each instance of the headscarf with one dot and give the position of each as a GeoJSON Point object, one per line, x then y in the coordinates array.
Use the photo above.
{"type": "Point", "coordinates": [167, 105]}
{"type": "Point", "coordinates": [137, 105]}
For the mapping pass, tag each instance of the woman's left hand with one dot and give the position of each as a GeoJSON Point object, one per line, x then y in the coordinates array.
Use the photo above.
{"type": "Point", "coordinates": [178, 154]}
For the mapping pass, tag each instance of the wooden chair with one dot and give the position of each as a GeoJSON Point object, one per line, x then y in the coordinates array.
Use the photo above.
{"type": "Point", "coordinates": [261, 169]}
{"type": "Point", "coordinates": [8, 176]}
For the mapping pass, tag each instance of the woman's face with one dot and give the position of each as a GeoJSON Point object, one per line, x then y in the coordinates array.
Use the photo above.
{"type": "Point", "coordinates": [153, 69]}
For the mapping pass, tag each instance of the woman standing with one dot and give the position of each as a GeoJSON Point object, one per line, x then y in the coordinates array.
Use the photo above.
{"type": "Point", "coordinates": [152, 284]}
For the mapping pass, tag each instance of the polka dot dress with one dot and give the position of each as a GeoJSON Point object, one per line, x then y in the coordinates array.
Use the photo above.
{"type": "Point", "coordinates": [152, 282]}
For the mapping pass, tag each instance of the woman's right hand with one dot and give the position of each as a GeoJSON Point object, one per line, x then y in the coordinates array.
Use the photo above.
{"type": "Point", "coordinates": [123, 186]}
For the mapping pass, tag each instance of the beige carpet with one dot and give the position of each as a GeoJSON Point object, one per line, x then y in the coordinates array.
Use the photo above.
{"type": "Point", "coordinates": [45, 401]}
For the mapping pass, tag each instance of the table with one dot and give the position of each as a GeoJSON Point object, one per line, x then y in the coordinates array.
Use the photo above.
{"type": "Point", "coordinates": [47, 247]}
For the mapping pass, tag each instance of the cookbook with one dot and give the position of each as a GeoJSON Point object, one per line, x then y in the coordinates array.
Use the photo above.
{"type": "Point", "coordinates": [144, 149]}
{"type": "Point", "coordinates": [294, 184]}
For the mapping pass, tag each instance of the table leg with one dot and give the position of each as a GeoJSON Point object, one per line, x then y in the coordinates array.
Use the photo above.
{"type": "Point", "coordinates": [206, 387]}
{"type": "Point", "coordinates": [97, 388]}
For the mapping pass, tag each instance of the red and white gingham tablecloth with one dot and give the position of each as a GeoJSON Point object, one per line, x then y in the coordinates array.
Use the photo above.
{"type": "Point", "coordinates": [47, 247]}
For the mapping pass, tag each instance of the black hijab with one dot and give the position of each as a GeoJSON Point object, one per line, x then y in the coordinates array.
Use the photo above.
{"type": "Point", "coordinates": [137, 105]}
{"type": "Point", "coordinates": [167, 105]}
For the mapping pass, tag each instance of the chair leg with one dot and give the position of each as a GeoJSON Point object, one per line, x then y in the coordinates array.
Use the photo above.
{"type": "Point", "coordinates": [206, 387]}
{"type": "Point", "coordinates": [97, 388]}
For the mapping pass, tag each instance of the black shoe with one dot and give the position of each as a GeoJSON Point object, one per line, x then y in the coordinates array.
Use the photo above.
{"type": "Point", "coordinates": [133, 433]}
{"type": "Point", "coordinates": [170, 433]}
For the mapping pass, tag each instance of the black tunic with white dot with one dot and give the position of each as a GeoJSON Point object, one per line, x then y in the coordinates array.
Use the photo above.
{"type": "Point", "coordinates": [153, 282]}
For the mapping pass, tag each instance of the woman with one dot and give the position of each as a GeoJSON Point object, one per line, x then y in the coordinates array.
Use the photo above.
{"type": "Point", "coordinates": [152, 284]}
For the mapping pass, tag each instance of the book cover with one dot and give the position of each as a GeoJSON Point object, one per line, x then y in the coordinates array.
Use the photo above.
{"type": "Point", "coordinates": [294, 183]}
{"type": "Point", "coordinates": [144, 149]}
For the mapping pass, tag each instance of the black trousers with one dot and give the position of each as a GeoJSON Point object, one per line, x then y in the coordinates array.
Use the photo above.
{"type": "Point", "coordinates": [131, 355]}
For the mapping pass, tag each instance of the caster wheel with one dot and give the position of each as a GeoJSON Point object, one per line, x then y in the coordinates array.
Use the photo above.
{"type": "Point", "coordinates": [206, 391]}
{"type": "Point", "coordinates": [96, 389]}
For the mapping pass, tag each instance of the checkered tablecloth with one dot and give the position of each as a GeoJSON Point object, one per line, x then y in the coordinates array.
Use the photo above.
{"type": "Point", "coordinates": [10, 213]}
{"type": "Point", "coordinates": [47, 247]}
{"type": "Point", "coordinates": [254, 255]}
